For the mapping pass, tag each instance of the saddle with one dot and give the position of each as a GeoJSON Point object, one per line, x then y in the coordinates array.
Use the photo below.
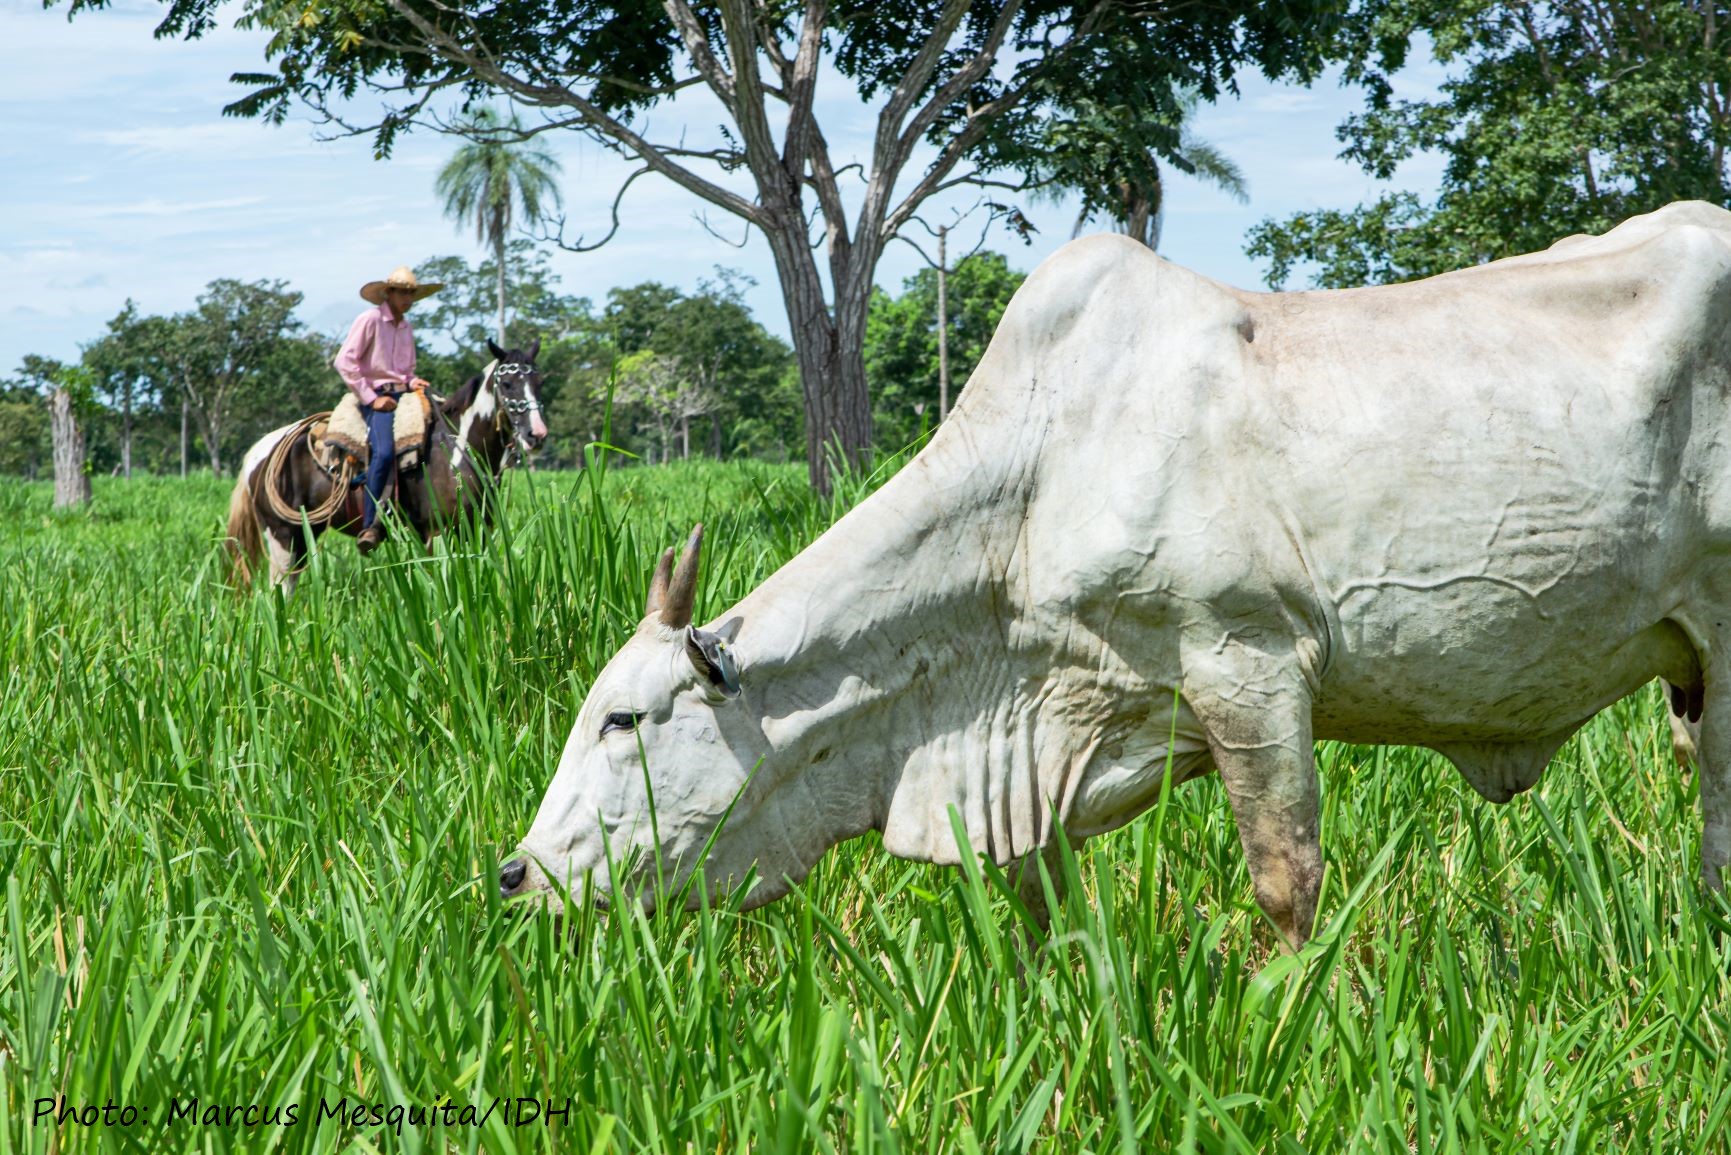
{"type": "Point", "coordinates": [344, 433]}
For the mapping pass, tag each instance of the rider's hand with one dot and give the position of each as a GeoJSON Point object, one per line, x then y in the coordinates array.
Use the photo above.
{"type": "Point", "coordinates": [419, 383]}
{"type": "Point", "coordinates": [384, 404]}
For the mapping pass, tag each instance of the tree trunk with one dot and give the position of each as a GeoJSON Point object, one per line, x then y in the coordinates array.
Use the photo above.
{"type": "Point", "coordinates": [684, 437]}
{"type": "Point", "coordinates": [185, 438]}
{"type": "Point", "coordinates": [212, 434]}
{"type": "Point", "coordinates": [71, 483]}
{"type": "Point", "coordinates": [943, 328]}
{"type": "Point", "coordinates": [830, 351]}
{"type": "Point", "coordinates": [126, 431]}
{"type": "Point", "coordinates": [715, 437]}
{"type": "Point", "coordinates": [499, 254]}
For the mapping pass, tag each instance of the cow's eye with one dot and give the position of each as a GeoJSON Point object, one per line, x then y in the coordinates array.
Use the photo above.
{"type": "Point", "coordinates": [622, 721]}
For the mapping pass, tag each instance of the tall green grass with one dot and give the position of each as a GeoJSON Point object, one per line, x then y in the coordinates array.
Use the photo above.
{"type": "Point", "coordinates": [248, 850]}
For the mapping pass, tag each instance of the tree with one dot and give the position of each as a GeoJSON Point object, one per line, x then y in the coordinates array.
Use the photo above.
{"type": "Point", "coordinates": [1129, 189]}
{"type": "Point", "coordinates": [1559, 117]}
{"type": "Point", "coordinates": [975, 81]}
{"type": "Point", "coordinates": [901, 346]}
{"type": "Point", "coordinates": [131, 369]}
{"type": "Point", "coordinates": [70, 396]}
{"type": "Point", "coordinates": [496, 180]}
{"type": "Point", "coordinates": [22, 428]}
{"type": "Point", "coordinates": [737, 366]}
{"type": "Point", "coordinates": [219, 348]}
{"type": "Point", "coordinates": [668, 391]}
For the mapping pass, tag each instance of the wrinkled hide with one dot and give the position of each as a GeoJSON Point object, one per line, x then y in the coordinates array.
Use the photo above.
{"type": "Point", "coordinates": [1172, 523]}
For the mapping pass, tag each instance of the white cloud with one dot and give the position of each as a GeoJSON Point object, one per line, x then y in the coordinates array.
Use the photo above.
{"type": "Point", "coordinates": [156, 207]}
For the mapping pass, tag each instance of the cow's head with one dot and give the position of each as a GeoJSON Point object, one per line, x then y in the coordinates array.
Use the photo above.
{"type": "Point", "coordinates": [663, 752]}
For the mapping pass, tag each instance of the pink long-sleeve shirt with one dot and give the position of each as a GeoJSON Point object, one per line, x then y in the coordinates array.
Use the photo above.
{"type": "Point", "coordinates": [378, 353]}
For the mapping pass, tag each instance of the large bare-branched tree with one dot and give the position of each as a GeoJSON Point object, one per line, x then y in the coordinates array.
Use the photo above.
{"type": "Point", "coordinates": [962, 91]}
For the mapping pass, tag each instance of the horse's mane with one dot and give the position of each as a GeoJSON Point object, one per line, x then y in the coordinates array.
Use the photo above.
{"type": "Point", "coordinates": [454, 404]}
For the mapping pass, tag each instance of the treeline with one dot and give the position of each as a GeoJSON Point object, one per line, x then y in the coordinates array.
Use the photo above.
{"type": "Point", "coordinates": [656, 372]}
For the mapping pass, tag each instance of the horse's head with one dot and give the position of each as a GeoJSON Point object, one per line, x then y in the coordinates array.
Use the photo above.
{"type": "Point", "coordinates": [517, 383]}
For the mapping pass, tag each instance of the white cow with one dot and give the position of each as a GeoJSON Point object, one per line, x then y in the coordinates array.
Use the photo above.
{"type": "Point", "coordinates": [1466, 513]}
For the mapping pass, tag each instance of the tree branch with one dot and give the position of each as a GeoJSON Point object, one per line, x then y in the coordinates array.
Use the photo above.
{"type": "Point", "coordinates": [696, 41]}
{"type": "Point", "coordinates": [800, 81]}
{"type": "Point", "coordinates": [558, 238]}
{"type": "Point", "coordinates": [557, 94]}
{"type": "Point", "coordinates": [738, 24]}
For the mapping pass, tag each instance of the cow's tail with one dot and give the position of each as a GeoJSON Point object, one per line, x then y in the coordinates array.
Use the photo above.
{"type": "Point", "coordinates": [245, 542]}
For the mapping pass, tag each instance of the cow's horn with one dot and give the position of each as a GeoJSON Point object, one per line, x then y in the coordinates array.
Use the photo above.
{"type": "Point", "coordinates": [682, 591]}
{"type": "Point", "coordinates": [658, 583]}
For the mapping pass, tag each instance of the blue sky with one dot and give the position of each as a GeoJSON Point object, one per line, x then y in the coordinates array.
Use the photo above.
{"type": "Point", "coordinates": [122, 179]}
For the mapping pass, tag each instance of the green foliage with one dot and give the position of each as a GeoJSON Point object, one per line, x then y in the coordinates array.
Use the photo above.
{"type": "Point", "coordinates": [1558, 118]}
{"type": "Point", "coordinates": [462, 313]}
{"type": "Point", "coordinates": [248, 850]}
{"type": "Point", "coordinates": [624, 60]}
{"type": "Point", "coordinates": [746, 372]}
{"type": "Point", "coordinates": [901, 343]}
{"type": "Point", "coordinates": [24, 446]}
{"type": "Point", "coordinates": [244, 355]}
{"type": "Point", "coordinates": [719, 348]}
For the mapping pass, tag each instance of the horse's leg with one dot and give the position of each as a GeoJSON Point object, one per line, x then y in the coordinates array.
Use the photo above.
{"type": "Point", "coordinates": [284, 545]}
{"type": "Point", "coordinates": [417, 503]}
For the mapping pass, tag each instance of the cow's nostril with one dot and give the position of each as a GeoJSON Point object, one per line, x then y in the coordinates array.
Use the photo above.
{"type": "Point", "coordinates": [511, 876]}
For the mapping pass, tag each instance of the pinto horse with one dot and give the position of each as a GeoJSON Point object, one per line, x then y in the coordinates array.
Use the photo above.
{"type": "Point", "coordinates": [492, 421]}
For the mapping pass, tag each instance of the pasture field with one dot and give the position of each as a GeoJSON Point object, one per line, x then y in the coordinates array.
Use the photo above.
{"type": "Point", "coordinates": [248, 851]}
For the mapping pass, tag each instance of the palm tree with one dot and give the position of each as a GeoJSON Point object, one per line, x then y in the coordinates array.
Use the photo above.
{"type": "Point", "coordinates": [1129, 188]}
{"type": "Point", "coordinates": [497, 179]}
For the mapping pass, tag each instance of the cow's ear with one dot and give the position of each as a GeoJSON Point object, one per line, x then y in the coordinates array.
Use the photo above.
{"type": "Point", "coordinates": [710, 654]}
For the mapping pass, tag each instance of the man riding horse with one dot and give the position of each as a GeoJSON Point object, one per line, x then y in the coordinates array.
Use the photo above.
{"type": "Point", "coordinates": [377, 362]}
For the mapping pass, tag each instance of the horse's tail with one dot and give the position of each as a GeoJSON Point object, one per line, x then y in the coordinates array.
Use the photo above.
{"type": "Point", "coordinates": [245, 541]}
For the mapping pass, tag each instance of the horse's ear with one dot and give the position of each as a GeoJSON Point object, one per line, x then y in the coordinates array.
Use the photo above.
{"type": "Point", "coordinates": [534, 350]}
{"type": "Point", "coordinates": [498, 353]}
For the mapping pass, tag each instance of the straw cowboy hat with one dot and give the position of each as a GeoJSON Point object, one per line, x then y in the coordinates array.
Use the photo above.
{"type": "Point", "coordinates": [402, 277]}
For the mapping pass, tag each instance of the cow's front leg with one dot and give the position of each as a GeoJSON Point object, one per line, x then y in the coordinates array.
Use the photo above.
{"type": "Point", "coordinates": [1026, 877]}
{"type": "Point", "coordinates": [1255, 708]}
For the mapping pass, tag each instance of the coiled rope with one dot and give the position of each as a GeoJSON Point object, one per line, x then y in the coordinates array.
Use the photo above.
{"type": "Point", "coordinates": [273, 477]}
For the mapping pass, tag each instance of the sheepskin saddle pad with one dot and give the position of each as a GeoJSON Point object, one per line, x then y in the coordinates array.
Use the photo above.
{"type": "Point", "coordinates": [345, 433]}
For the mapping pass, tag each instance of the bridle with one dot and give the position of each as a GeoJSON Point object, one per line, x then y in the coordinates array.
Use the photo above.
{"type": "Point", "coordinates": [511, 409]}
{"type": "Point", "coordinates": [504, 416]}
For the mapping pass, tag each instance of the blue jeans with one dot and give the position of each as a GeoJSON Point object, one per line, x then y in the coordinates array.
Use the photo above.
{"type": "Point", "coordinates": [381, 461]}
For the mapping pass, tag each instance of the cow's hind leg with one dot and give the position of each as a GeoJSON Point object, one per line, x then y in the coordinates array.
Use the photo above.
{"type": "Point", "coordinates": [1685, 704]}
{"type": "Point", "coordinates": [1685, 739]}
{"type": "Point", "coordinates": [1255, 708]}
